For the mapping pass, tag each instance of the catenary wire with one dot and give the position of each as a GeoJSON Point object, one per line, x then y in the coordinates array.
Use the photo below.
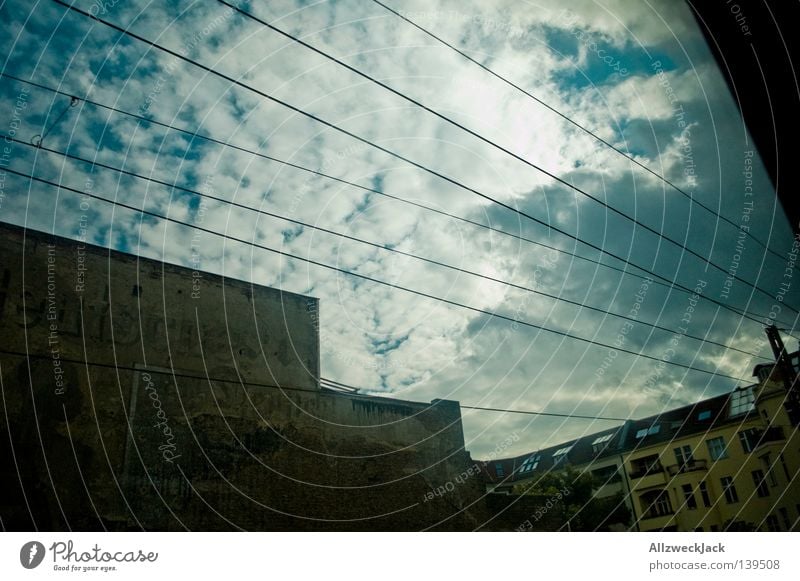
{"type": "Point", "coordinates": [492, 409]}
{"type": "Point", "coordinates": [498, 147]}
{"type": "Point", "coordinates": [350, 273]}
{"type": "Point", "coordinates": [659, 280]}
{"type": "Point", "coordinates": [583, 128]}
{"type": "Point", "coordinates": [374, 145]}
{"type": "Point", "coordinates": [205, 195]}
{"type": "Point", "coordinates": [248, 383]}
{"type": "Point", "coordinates": [194, 134]}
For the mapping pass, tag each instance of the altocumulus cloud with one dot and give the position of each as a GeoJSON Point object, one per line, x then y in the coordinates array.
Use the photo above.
{"type": "Point", "coordinates": [670, 109]}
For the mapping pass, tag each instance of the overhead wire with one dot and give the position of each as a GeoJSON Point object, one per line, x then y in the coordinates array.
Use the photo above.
{"type": "Point", "coordinates": [498, 147]}
{"type": "Point", "coordinates": [504, 410]}
{"type": "Point", "coordinates": [335, 127]}
{"type": "Point", "coordinates": [247, 383]}
{"type": "Point", "coordinates": [206, 195]}
{"type": "Point", "coordinates": [583, 128]}
{"type": "Point", "coordinates": [661, 281]}
{"type": "Point", "coordinates": [37, 139]}
{"type": "Point", "coordinates": [343, 271]}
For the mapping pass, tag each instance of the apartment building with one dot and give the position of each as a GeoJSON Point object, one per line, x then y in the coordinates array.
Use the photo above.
{"type": "Point", "coordinates": [730, 462]}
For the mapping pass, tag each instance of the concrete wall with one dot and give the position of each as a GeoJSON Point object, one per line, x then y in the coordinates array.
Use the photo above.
{"type": "Point", "coordinates": [72, 298]}
{"type": "Point", "coordinates": [110, 419]}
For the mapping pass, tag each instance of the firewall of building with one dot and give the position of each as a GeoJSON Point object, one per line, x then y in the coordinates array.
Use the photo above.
{"type": "Point", "coordinates": [142, 395]}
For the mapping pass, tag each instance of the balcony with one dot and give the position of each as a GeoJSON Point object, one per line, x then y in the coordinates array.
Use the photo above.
{"type": "Point", "coordinates": [774, 434]}
{"type": "Point", "coordinates": [691, 466]}
{"type": "Point", "coordinates": [656, 504]}
{"type": "Point", "coordinates": [642, 471]}
{"type": "Point", "coordinates": [651, 514]}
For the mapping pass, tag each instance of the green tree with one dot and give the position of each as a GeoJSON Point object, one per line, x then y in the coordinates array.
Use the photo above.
{"type": "Point", "coordinates": [570, 494]}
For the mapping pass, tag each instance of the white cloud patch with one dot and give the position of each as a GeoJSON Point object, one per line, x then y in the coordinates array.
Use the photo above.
{"type": "Point", "coordinates": [384, 339]}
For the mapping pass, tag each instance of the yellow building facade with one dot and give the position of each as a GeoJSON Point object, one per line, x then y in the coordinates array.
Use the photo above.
{"type": "Point", "coordinates": [730, 462]}
{"type": "Point", "coordinates": [739, 474]}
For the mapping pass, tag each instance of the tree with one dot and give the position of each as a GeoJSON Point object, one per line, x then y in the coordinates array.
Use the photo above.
{"type": "Point", "coordinates": [570, 494]}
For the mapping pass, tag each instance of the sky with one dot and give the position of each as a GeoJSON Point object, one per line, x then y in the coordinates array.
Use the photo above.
{"type": "Point", "coordinates": [638, 75]}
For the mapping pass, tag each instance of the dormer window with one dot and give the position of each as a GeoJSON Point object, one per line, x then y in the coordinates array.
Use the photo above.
{"type": "Point", "coordinates": [601, 442]}
{"type": "Point", "coordinates": [560, 456]}
{"type": "Point", "coordinates": [652, 430]}
{"type": "Point", "coordinates": [742, 401]}
{"type": "Point", "coordinates": [530, 463]}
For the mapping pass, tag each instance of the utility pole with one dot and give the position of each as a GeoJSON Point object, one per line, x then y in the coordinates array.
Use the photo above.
{"type": "Point", "coordinates": [787, 373]}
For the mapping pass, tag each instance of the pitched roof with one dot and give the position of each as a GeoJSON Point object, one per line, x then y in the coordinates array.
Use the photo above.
{"type": "Point", "coordinates": [664, 427]}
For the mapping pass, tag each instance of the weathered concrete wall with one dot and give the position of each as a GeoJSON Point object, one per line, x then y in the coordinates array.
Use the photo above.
{"type": "Point", "coordinates": [111, 420]}
{"type": "Point", "coordinates": [72, 298]}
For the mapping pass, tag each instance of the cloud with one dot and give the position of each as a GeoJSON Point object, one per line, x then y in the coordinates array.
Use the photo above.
{"type": "Point", "coordinates": [385, 339]}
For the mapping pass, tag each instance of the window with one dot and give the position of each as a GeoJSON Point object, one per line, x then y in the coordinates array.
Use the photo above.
{"type": "Point", "coordinates": [760, 483]}
{"type": "Point", "coordinates": [688, 497]}
{"type": "Point", "coordinates": [704, 494]}
{"type": "Point", "coordinates": [717, 448]}
{"type": "Point", "coordinates": [530, 463]}
{"type": "Point", "coordinates": [729, 490]}
{"type": "Point", "coordinates": [704, 415]}
{"type": "Point", "coordinates": [763, 371]}
{"type": "Point", "coordinates": [749, 439]}
{"type": "Point", "coordinates": [499, 471]}
{"type": "Point", "coordinates": [655, 503]}
{"type": "Point", "coordinates": [785, 469]}
{"type": "Point", "coordinates": [772, 524]}
{"type": "Point", "coordinates": [601, 442]}
{"type": "Point", "coordinates": [766, 462]}
{"type": "Point", "coordinates": [742, 401]}
{"type": "Point", "coordinates": [654, 429]}
{"type": "Point", "coordinates": [560, 455]}
{"type": "Point", "coordinates": [683, 455]}
{"type": "Point", "coordinates": [787, 524]}
{"type": "Point", "coordinates": [606, 475]}
{"type": "Point", "coordinates": [645, 466]}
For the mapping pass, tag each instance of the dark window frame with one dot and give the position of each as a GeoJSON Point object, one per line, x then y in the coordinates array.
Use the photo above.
{"type": "Point", "coordinates": [704, 494]}
{"type": "Point", "coordinates": [760, 482]}
{"type": "Point", "coordinates": [723, 453]}
{"type": "Point", "coordinates": [689, 499]}
{"type": "Point", "coordinates": [729, 489]}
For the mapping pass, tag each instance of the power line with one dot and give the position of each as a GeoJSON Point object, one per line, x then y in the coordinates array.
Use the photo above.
{"type": "Point", "coordinates": [497, 146]}
{"type": "Point", "coordinates": [380, 148]}
{"type": "Point", "coordinates": [584, 129]}
{"type": "Point", "coordinates": [395, 250]}
{"type": "Point", "coordinates": [173, 373]}
{"type": "Point", "coordinates": [369, 278]}
{"type": "Point", "coordinates": [39, 138]}
{"type": "Point", "coordinates": [657, 280]}
{"type": "Point", "coordinates": [241, 381]}
{"type": "Point", "coordinates": [194, 134]}
{"type": "Point", "coordinates": [661, 281]}
{"type": "Point", "coordinates": [555, 415]}
{"type": "Point", "coordinates": [789, 332]}
{"type": "Point", "coordinates": [486, 409]}
{"type": "Point", "coordinates": [173, 185]}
